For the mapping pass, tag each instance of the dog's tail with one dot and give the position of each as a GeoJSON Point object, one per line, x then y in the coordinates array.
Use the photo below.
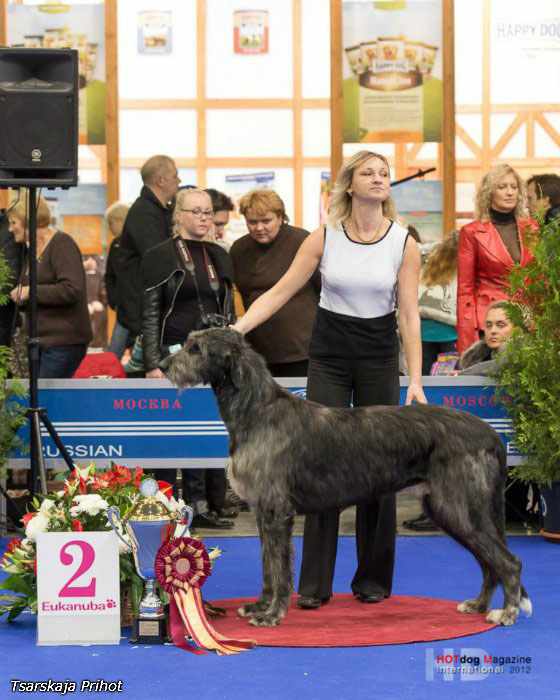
{"type": "Point", "coordinates": [525, 604]}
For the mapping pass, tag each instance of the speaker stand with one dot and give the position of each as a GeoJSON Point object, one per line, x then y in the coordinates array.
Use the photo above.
{"type": "Point", "coordinates": [36, 415]}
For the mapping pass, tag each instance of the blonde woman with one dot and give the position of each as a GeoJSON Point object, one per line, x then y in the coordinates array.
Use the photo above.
{"type": "Point", "coordinates": [63, 325]}
{"type": "Point", "coordinates": [369, 264]}
{"type": "Point", "coordinates": [115, 217]}
{"type": "Point", "coordinates": [488, 249]}
{"type": "Point", "coordinates": [187, 282]}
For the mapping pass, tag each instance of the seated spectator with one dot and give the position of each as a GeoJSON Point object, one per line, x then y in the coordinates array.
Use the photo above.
{"type": "Point", "coordinates": [481, 357]}
{"type": "Point", "coordinates": [543, 193]}
{"type": "Point", "coordinates": [63, 325]}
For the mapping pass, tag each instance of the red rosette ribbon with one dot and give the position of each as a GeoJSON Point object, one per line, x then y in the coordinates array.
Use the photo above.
{"type": "Point", "coordinates": [182, 566]}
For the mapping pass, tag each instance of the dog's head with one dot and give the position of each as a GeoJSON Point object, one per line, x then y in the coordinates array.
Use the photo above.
{"type": "Point", "coordinates": [207, 357]}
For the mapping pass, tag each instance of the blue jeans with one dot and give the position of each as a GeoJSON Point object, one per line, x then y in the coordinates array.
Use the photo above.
{"type": "Point", "coordinates": [61, 361]}
{"type": "Point", "coordinates": [120, 340]}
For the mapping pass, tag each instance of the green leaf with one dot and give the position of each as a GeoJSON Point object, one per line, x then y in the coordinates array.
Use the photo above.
{"type": "Point", "coordinates": [18, 584]}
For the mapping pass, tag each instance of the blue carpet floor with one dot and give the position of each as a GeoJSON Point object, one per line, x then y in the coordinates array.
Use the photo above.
{"type": "Point", "coordinates": [426, 566]}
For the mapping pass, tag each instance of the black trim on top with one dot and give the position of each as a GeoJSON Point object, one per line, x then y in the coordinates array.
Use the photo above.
{"type": "Point", "coordinates": [372, 242]}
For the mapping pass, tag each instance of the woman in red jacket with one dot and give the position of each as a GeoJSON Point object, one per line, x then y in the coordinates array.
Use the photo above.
{"type": "Point", "coordinates": [488, 249]}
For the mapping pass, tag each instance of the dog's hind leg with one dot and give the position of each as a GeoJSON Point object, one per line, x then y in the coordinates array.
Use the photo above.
{"type": "Point", "coordinates": [498, 564]}
{"type": "Point", "coordinates": [275, 528]}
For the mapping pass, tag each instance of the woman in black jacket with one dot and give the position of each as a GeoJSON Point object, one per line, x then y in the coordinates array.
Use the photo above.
{"type": "Point", "coordinates": [188, 285]}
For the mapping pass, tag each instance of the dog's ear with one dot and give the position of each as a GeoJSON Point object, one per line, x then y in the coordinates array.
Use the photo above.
{"type": "Point", "coordinates": [236, 369]}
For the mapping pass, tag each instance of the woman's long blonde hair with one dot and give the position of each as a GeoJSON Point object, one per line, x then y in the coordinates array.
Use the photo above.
{"type": "Point", "coordinates": [340, 208]}
{"type": "Point", "coordinates": [489, 183]}
{"type": "Point", "coordinates": [441, 264]}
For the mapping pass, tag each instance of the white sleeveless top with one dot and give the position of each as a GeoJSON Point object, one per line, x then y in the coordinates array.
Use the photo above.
{"type": "Point", "coordinates": [360, 279]}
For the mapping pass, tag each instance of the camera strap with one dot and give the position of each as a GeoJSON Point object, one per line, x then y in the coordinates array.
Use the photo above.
{"type": "Point", "coordinates": [188, 263]}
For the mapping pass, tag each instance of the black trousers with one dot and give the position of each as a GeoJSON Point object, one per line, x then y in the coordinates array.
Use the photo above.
{"type": "Point", "coordinates": [338, 383]}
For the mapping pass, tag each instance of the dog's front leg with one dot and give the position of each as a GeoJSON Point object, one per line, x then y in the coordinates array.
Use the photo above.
{"type": "Point", "coordinates": [250, 609]}
{"type": "Point", "coordinates": [275, 527]}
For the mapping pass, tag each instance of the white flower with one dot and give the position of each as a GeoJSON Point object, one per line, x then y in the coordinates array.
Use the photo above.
{"type": "Point", "coordinates": [214, 553]}
{"type": "Point", "coordinates": [90, 503]}
{"type": "Point", "coordinates": [46, 505]}
{"type": "Point", "coordinates": [35, 526]}
{"type": "Point", "coordinates": [27, 546]}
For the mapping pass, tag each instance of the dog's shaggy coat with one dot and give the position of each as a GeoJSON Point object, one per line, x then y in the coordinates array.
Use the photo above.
{"type": "Point", "coordinates": [289, 456]}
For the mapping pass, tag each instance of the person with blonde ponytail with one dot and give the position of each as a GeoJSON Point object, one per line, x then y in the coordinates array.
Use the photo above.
{"type": "Point", "coordinates": [369, 265]}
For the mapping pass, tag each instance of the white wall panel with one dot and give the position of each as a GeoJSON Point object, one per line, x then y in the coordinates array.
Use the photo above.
{"type": "Point", "coordinates": [157, 76]}
{"type": "Point", "coordinates": [468, 52]}
{"type": "Point", "coordinates": [231, 75]}
{"type": "Point", "coordinates": [249, 133]}
{"type": "Point", "coordinates": [316, 48]}
{"type": "Point", "coordinates": [147, 132]}
{"type": "Point", "coordinates": [316, 132]}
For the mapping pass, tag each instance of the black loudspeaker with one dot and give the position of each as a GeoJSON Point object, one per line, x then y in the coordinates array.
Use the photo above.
{"type": "Point", "coordinates": [38, 118]}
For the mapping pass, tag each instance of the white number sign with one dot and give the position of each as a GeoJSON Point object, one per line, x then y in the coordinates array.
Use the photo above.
{"type": "Point", "coordinates": [78, 589]}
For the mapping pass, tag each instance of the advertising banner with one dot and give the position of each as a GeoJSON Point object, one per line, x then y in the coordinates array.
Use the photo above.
{"type": "Point", "coordinates": [80, 27]}
{"type": "Point", "coordinates": [148, 423]}
{"type": "Point", "coordinates": [392, 71]}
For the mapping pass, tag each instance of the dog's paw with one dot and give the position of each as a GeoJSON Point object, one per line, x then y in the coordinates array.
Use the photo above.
{"type": "Point", "coordinates": [265, 619]}
{"type": "Point", "coordinates": [505, 617]}
{"type": "Point", "coordinates": [471, 607]}
{"type": "Point", "coordinates": [251, 609]}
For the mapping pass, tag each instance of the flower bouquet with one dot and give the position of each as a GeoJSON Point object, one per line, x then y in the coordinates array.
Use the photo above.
{"type": "Point", "coordinates": [81, 506]}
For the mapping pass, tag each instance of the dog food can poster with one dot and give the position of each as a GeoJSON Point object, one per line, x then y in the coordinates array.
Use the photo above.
{"type": "Point", "coordinates": [250, 31]}
{"type": "Point", "coordinates": [154, 32]}
{"type": "Point", "coordinates": [392, 71]}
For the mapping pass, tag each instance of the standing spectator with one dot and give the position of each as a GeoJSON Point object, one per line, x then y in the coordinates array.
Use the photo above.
{"type": "Point", "coordinates": [12, 253]}
{"type": "Point", "coordinates": [222, 206]}
{"type": "Point", "coordinates": [63, 325]}
{"type": "Point", "coordinates": [369, 264]}
{"type": "Point", "coordinates": [488, 249]}
{"type": "Point", "coordinates": [177, 301]}
{"type": "Point", "coordinates": [437, 299]}
{"type": "Point", "coordinates": [260, 259]}
{"type": "Point", "coordinates": [146, 225]}
{"type": "Point", "coordinates": [115, 216]}
{"type": "Point", "coordinates": [543, 192]}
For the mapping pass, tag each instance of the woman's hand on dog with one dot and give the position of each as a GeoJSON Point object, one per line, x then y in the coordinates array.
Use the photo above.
{"type": "Point", "coordinates": [415, 393]}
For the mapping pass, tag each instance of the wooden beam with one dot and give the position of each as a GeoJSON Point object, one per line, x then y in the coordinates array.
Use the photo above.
{"type": "Point", "coordinates": [448, 125]}
{"type": "Point", "coordinates": [226, 103]}
{"type": "Point", "coordinates": [297, 113]}
{"type": "Point", "coordinates": [508, 134]}
{"type": "Point", "coordinates": [530, 135]}
{"type": "Point", "coordinates": [337, 107]}
{"type": "Point", "coordinates": [468, 141]}
{"type": "Point", "coordinates": [201, 92]}
{"type": "Point", "coordinates": [111, 102]}
{"type": "Point", "coordinates": [549, 129]}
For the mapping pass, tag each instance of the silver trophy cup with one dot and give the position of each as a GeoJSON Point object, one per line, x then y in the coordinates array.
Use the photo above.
{"type": "Point", "coordinates": [148, 528]}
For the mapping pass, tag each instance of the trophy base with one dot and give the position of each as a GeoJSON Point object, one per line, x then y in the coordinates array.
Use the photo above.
{"type": "Point", "coordinates": [148, 631]}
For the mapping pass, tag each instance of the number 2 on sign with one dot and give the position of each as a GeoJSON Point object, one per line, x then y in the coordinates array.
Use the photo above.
{"type": "Point", "coordinates": [88, 557]}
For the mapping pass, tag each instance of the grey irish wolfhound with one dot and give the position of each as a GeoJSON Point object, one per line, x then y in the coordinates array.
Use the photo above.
{"type": "Point", "coordinates": [291, 456]}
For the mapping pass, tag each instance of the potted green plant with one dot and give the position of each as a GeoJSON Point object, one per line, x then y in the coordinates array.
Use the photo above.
{"type": "Point", "coordinates": [528, 379]}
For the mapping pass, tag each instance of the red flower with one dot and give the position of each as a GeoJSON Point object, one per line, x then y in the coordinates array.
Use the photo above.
{"type": "Point", "coordinates": [77, 525]}
{"type": "Point", "coordinates": [138, 474]}
{"type": "Point", "coordinates": [120, 475]}
{"type": "Point", "coordinates": [14, 543]}
{"type": "Point", "coordinates": [165, 488]}
{"type": "Point", "coordinates": [27, 517]}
